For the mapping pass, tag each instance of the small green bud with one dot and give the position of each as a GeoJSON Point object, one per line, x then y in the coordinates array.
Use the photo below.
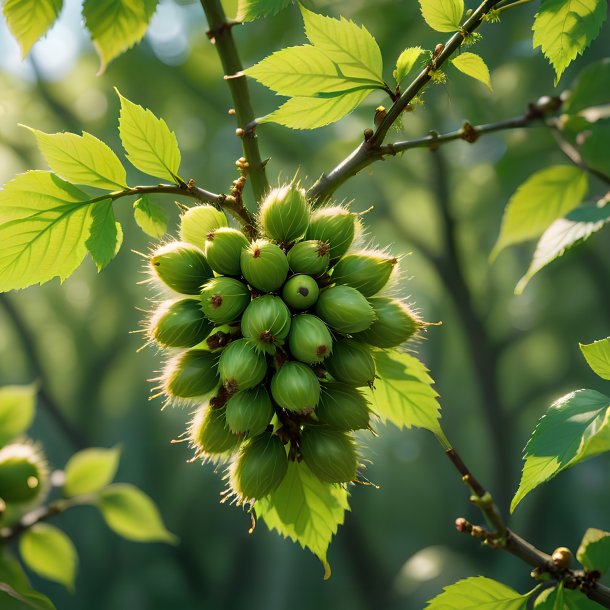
{"type": "Point", "coordinates": [223, 299]}
{"type": "Point", "coordinates": [264, 265]}
{"type": "Point", "coordinates": [249, 411]}
{"type": "Point", "coordinates": [197, 222]}
{"type": "Point", "coordinates": [192, 373]}
{"type": "Point", "coordinates": [335, 225]}
{"type": "Point", "coordinates": [209, 433]}
{"type": "Point", "coordinates": [343, 407]}
{"type": "Point", "coordinates": [330, 454]}
{"type": "Point", "coordinates": [352, 363]}
{"type": "Point", "coordinates": [344, 309]}
{"type": "Point", "coordinates": [241, 366]}
{"type": "Point", "coordinates": [367, 271]}
{"type": "Point", "coordinates": [395, 323]}
{"type": "Point", "coordinates": [295, 387]}
{"type": "Point", "coordinates": [266, 323]}
{"type": "Point", "coordinates": [300, 292]}
{"type": "Point", "coordinates": [223, 248]}
{"type": "Point", "coordinates": [181, 266]}
{"type": "Point", "coordinates": [309, 340]}
{"type": "Point", "coordinates": [259, 468]}
{"type": "Point", "coordinates": [23, 473]}
{"type": "Point", "coordinates": [180, 324]}
{"type": "Point", "coordinates": [310, 257]}
{"type": "Point", "coordinates": [284, 214]}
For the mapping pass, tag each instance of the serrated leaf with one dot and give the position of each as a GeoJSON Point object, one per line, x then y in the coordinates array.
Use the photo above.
{"type": "Point", "coordinates": [597, 355]}
{"type": "Point", "coordinates": [116, 25]}
{"type": "Point", "coordinates": [403, 393]}
{"type": "Point", "coordinates": [562, 236]}
{"type": "Point", "coordinates": [48, 224]}
{"type": "Point", "coordinates": [28, 20]}
{"type": "Point", "coordinates": [150, 145]}
{"type": "Point", "coordinates": [313, 112]}
{"type": "Point", "coordinates": [150, 217]}
{"type": "Point", "coordinates": [130, 513]}
{"type": "Point", "coordinates": [105, 236]}
{"type": "Point", "coordinates": [304, 71]}
{"type": "Point", "coordinates": [442, 15]}
{"type": "Point", "coordinates": [594, 149]}
{"type": "Point", "coordinates": [473, 65]}
{"type": "Point", "coordinates": [561, 598]}
{"type": "Point", "coordinates": [544, 197]}
{"type": "Point", "coordinates": [17, 407]}
{"type": "Point", "coordinates": [406, 62]}
{"type": "Point", "coordinates": [49, 552]}
{"type": "Point", "coordinates": [249, 10]}
{"type": "Point", "coordinates": [590, 88]}
{"type": "Point", "coordinates": [574, 428]}
{"type": "Point", "coordinates": [565, 28]}
{"type": "Point", "coordinates": [476, 593]}
{"type": "Point", "coordinates": [594, 550]}
{"type": "Point", "coordinates": [305, 509]}
{"type": "Point", "coordinates": [352, 47]}
{"type": "Point", "coordinates": [81, 159]}
{"type": "Point", "coordinates": [90, 470]}
{"type": "Point", "coordinates": [15, 590]}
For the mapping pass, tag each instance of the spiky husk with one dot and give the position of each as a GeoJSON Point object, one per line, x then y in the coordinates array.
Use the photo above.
{"type": "Point", "coordinates": [181, 266]}
{"type": "Point", "coordinates": [309, 340]}
{"type": "Point", "coordinates": [310, 257]}
{"type": "Point", "coordinates": [197, 222]}
{"type": "Point", "coordinates": [249, 411]}
{"type": "Point", "coordinates": [266, 323]}
{"type": "Point", "coordinates": [296, 387]}
{"type": "Point", "coordinates": [342, 407]}
{"type": "Point", "coordinates": [209, 433]}
{"type": "Point", "coordinates": [264, 265]}
{"type": "Point", "coordinates": [23, 473]}
{"type": "Point", "coordinates": [351, 362]}
{"type": "Point", "coordinates": [223, 248]}
{"type": "Point", "coordinates": [300, 292]}
{"type": "Point", "coordinates": [284, 214]}
{"type": "Point", "coordinates": [180, 324]}
{"type": "Point", "coordinates": [395, 323]}
{"type": "Point", "coordinates": [367, 271]}
{"type": "Point", "coordinates": [344, 309]}
{"type": "Point", "coordinates": [335, 225]}
{"type": "Point", "coordinates": [192, 373]}
{"type": "Point", "coordinates": [223, 299]}
{"type": "Point", "coordinates": [330, 454]}
{"type": "Point", "coordinates": [241, 366]}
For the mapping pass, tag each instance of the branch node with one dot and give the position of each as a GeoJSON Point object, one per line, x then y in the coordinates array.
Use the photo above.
{"type": "Point", "coordinates": [368, 134]}
{"type": "Point", "coordinates": [469, 133]}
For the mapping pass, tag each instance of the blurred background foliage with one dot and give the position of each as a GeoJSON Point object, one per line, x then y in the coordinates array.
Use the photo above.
{"type": "Point", "coordinates": [498, 360]}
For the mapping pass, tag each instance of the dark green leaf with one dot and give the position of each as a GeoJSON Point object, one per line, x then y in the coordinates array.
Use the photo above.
{"type": "Point", "coordinates": [478, 593]}
{"type": "Point", "coordinates": [590, 88]}
{"type": "Point", "coordinates": [594, 149]}
{"type": "Point", "coordinates": [15, 590]}
{"type": "Point", "coordinates": [90, 470]}
{"type": "Point", "coordinates": [594, 550]}
{"type": "Point", "coordinates": [150, 217]}
{"type": "Point", "coordinates": [106, 234]}
{"type": "Point", "coordinates": [17, 403]}
{"type": "Point", "coordinates": [249, 10]}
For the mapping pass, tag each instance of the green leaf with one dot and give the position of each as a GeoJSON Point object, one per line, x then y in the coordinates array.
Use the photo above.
{"type": "Point", "coordinates": [443, 15]}
{"type": "Point", "coordinates": [305, 509]}
{"type": "Point", "coordinates": [590, 88]}
{"type": "Point", "coordinates": [150, 217]}
{"type": "Point", "coordinates": [106, 234]}
{"type": "Point", "coordinates": [476, 593]}
{"type": "Point", "coordinates": [406, 62]}
{"type": "Point", "coordinates": [17, 406]}
{"type": "Point", "coordinates": [130, 513]}
{"type": "Point", "coordinates": [403, 393]}
{"type": "Point", "coordinates": [594, 149]}
{"type": "Point", "coordinates": [352, 47]}
{"type": "Point", "coordinates": [116, 25]}
{"type": "Point", "coordinates": [473, 65]}
{"type": "Point", "coordinates": [565, 28]}
{"type": "Point", "coordinates": [544, 197]}
{"type": "Point", "coordinates": [304, 71]}
{"type": "Point", "coordinates": [594, 550]}
{"type": "Point", "coordinates": [249, 10]}
{"type": "Point", "coordinates": [561, 598]}
{"type": "Point", "coordinates": [81, 159]}
{"type": "Point", "coordinates": [90, 470]}
{"type": "Point", "coordinates": [150, 146]}
{"type": "Point", "coordinates": [48, 225]}
{"type": "Point", "coordinates": [15, 590]}
{"type": "Point", "coordinates": [312, 112]}
{"type": "Point", "coordinates": [597, 355]}
{"type": "Point", "coordinates": [49, 552]}
{"type": "Point", "coordinates": [574, 428]}
{"type": "Point", "coordinates": [563, 235]}
{"type": "Point", "coordinates": [28, 20]}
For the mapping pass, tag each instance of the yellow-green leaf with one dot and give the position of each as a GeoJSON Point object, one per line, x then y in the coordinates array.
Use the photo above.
{"type": "Point", "coordinates": [90, 470]}
{"type": "Point", "coordinates": [106, 235]}
{"type": "Point", "coordinates": [597, 355]}
{"type": "Point", "coordinates": [249, 10]}
{"type": "Point", "coordinates": [476, 593]}
{"type": "Point", "coordinates": [150, 217]}
{"type": "Point", "coordinates": [473, 65]}
{"type": "Point", "coordinates": [594, 550]}
{"type": "Point", "coordinates": [17, 405]}
{"type": "Point", "coordinates": [16, 593]}
{"type": "Point", "coordinates": [443, 15]}
{"type": "Point", "coordinates": [405, 62]}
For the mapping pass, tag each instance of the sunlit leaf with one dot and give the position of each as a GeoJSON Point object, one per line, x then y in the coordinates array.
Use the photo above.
{"type": "Point", "coordinates": [249, 10]}
{"type": "Point", "coordinates": [150, 217]}
{"type": "Point", "coordinates": [443, 15]}
{"type": "Point", "coordinates": [106, 234]}
{"type": "Point", "coordinates": [16, 592]}
{"type": "Point", "coordinates": [90, 470]}
{"type": "Point", "coordinates": [17, 404]}
{"type": "Point", "coordinates": [473, 65]}
{"type": "Point", "coordinates": [561, 598]}
{"type": "Point", "coordinates": [406, 62]}
{"type": "Point", "coordinates": [594, 550]}
{"type": "Point", "coordinates": [476, 593]}
{"type": "Point", "coordinates": [597, 355]}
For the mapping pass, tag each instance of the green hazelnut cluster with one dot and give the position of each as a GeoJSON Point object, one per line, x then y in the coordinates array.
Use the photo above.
{"type": "Point", "coordinates": [276, 337]}
{"type": "Point", "coordinates": [23, 474]}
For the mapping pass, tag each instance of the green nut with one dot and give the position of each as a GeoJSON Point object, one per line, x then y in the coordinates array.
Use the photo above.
{"type": "Point", "coordinates": [23, 473]}
{"type": "Point", "coordinates": [266, 323]}
{"type": "Point", "coordinates": [310, 257]}
{"type": "Point", "coordinates": [309, 340]}
{"type": "Point", "coordinates": [223, 248]}
{"type": "Point", "coordinates": [223, 299]}
{"type": "Point", "coordinates": [181, 266]}
{"type": "Point", "coordinates": [367, 271]}
{"type": "Point", "coordinates": [342, 407]}
{"type": "Point", "coordinates": [249, 411]}
{"type": "Point", "coordinates": [300, 292]}
{"type": "Point", "coordinates": [264, 265]}
{"type": "Point", "coordinates": [344, 309]}
{"type": "Point", "coordinates": [209, 433]}
{"type": "Point", "coordinates": [335, 225]}
{"type": "Point", "coordinates": [352, 363]}
{"type": "Point", "coordinates": [180, 324]}
{"type": "Point", "coordinates": [284, 214]}
{"type": "Point", "coordinates": [395, 323]}
{"type": "Point", "coordinates": [296, 387]}
{"type": "Point", "coordinates": [197, 222]}
{"type": "Point", "coordinates": [330, 454]}
{"type": "Point", "coordinates": [192, 373]}
{"type": "Point", "coordinates": [241, 366]}
{"type": "Point", "coordinates": [259, 468]}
